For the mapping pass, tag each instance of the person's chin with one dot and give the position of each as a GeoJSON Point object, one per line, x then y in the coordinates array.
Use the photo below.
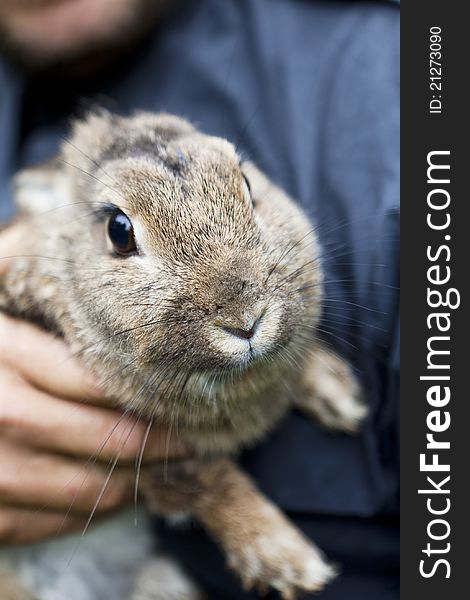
{"type": "Point", "coordinates": [61, 33]}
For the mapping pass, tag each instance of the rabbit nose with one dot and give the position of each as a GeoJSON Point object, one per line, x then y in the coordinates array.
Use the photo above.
{"type": "Point", "coordinates": [244, 333]}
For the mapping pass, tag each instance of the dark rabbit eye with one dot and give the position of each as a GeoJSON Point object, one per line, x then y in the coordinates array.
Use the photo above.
{"type": "Point", "coordinates": [121, 233]}
{"type": "Point", "coordinates": [247, 183]}
{"type": "Point", "coordinates": [247, 191]}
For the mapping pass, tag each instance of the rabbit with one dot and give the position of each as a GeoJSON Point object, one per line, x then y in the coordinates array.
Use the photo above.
{"type": "Point", "coordinates": [191, 286]}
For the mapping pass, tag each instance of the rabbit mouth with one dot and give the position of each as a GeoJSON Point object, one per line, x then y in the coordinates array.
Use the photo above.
{"type": "Point", "coordinates": [271, 359]}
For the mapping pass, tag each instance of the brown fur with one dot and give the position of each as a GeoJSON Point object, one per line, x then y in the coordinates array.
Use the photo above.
{"type": "Point", "coordinates": [152, 326]}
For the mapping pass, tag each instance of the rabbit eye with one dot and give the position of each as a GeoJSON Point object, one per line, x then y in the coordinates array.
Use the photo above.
{"type": "Point", "coordinates": [247, 183]}
{"type": "Point", "coordinates": [121, 233]}
{"type": "Point", "coordinates": [247, 190]}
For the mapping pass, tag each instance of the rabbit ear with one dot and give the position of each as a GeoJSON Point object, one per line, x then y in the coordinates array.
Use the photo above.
{"type": "Point", "coordinates": [40, 189]}
{"type": "Point", "coordinates": [88, 138]}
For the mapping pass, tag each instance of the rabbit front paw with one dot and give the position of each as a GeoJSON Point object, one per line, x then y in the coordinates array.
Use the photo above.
{"type": "Point", "coordinates": [331, 394]}
{"type": "Point", "coordinates": [281, 559]}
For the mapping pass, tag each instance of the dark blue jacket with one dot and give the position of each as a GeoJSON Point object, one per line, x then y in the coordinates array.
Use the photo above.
{"type": "Point", "coordinates": [309, 91]}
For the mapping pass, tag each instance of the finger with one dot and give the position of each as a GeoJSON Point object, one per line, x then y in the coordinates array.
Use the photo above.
{"type": "Point", "coordinates": [35, 419]}
{"type": "Point", "coordinates": [20, 526]}
{"type": "Point", "coordinates": [45, 361]}
{"type": "Point", "coordinates": [48, 482]}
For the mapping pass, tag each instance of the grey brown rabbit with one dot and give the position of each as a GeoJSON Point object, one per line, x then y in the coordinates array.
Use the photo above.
{"type": "Point", "coordinates": [191, 285]}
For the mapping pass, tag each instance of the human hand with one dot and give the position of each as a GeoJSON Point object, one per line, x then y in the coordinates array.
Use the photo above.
{"type": "Point", "coordinates": [56, 450]}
